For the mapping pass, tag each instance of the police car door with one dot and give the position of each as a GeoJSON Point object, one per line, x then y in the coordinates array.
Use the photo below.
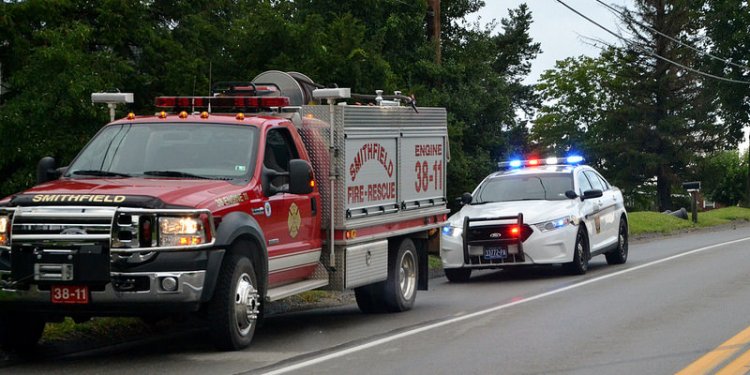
{"type": "Point", "coordinates": [291, 253]}
{"type": "Point", "coordinates": [609, 219]}
{"type": "Point", "coordinates": [590, 212]}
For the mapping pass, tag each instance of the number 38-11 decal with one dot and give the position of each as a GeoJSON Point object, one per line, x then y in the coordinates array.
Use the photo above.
{"type": "Point", "coordinates": [427, 176]}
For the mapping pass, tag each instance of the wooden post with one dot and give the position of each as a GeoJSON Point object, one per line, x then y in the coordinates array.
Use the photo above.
{"type": "Point", "coordinates": [694, 206]}
{"type": "Point", "coordinates": [434, 10]}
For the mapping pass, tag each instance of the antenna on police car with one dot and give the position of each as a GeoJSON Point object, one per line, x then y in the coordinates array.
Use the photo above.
{"type": "Point", "coordinates": [112, 99]}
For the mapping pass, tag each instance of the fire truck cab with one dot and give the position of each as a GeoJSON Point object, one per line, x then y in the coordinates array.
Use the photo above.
{"type": "Point", "coordinates": [219, 204]}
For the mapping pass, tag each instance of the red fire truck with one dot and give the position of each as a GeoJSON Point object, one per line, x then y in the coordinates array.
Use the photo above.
{"type": "Point", "coordinates": [219, 204]}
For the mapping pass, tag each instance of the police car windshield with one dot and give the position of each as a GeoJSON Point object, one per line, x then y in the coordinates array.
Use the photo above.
{"type": "Point", "coordinates": [523, 187]}
{"type": "Point", "coordinates": [181, 150]}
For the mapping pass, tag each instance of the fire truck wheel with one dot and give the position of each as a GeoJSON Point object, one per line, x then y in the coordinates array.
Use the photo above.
{"type": "Point", "coordinates": [20, 332]}
{"type": "Point", "coordinates": [620, 254]}
{"type": "Point", "coordinates": [458, 275]}
{"type": "Point", "coordinates": [233, 312]}
{"type": "Point", "coordinates": [401, 285]}
{"type": "Point", "coordinates": [580, 263]}
{"type": "Point", "coordinates": [370, 298]}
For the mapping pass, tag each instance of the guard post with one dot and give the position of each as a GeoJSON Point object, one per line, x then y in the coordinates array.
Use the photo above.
{"type": "Point", "coordinates": [693, 187]}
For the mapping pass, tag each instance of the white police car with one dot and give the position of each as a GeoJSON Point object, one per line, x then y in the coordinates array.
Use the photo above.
{"type": "Point", "coordinates": [537, 211]}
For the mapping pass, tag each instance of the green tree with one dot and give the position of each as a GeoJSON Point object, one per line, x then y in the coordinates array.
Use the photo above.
{"type": "Point", "coordinates": [648, 118]}
{"type": "Point", "coordinates": [480, 84]}
{"type": "Point", "coordinates": [727, 24]}
{"type": "Point", "coordinates": [56, 52]}
{"type": "Point", "coordinates": [723, 176]}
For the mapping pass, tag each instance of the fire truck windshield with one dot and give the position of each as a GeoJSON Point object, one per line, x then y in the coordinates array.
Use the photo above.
{"type": "Point", "coordinates": [183, 150]}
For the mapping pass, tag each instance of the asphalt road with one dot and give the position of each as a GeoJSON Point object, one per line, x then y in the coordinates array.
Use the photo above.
{"type": "Point", "coordinates": [676, 299]}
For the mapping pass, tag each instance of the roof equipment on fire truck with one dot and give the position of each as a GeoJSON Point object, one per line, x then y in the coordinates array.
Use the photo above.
{"type": "Point", "coordinates": [112, 99]}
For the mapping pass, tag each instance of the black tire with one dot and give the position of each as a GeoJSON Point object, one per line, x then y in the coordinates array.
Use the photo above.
{"type": "Point", "coordinates": [234, 311]}
{"type": "Point", "coordinates": [620, 254]}
{"type": "Point", "coordinates": [403, 273]}
{"type": "Point", "coordinates": [580, 263]}
{"type": "Point", "coordinates": [370, 298]}
{"type": "Point", "coordinates": [20, 332]}
{"type": "Point", "coordinates": [458, 275]}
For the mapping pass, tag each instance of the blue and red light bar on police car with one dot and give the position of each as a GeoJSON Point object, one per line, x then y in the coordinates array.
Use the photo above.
{"type": "Point", "coordinates": [258, 102]}
{"type": "Point", "coordinates": [518, 163]}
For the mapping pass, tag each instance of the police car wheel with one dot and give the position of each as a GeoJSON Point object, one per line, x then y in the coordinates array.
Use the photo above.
{"type": "Point", "coordinates": [19, 332]}
{"type": "Point", "coordinates": [580, 263]}
{"type": "Point", "coordinates": [458, 275]}
{"type": "Point", "coordinates": [401, 285]}
{"type": "Point", "coordinates": [620, 254]}
{"type": "Point", "coordinates": [234, 310]}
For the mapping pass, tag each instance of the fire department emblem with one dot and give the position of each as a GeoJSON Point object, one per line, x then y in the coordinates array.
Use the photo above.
{"type": "Point", "coordinates": [293, 220]}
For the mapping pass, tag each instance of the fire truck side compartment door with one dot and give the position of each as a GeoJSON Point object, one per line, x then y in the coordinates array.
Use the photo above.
{"type": "Point", "coordinates": [366, 264]}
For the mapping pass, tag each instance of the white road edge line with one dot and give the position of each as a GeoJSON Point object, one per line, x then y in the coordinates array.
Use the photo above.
{"type": "Point", "coordinates": [384, 340]}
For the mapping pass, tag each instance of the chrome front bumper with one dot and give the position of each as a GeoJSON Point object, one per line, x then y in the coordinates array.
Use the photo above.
{"type": "Point", "coordinates": [189, 288]}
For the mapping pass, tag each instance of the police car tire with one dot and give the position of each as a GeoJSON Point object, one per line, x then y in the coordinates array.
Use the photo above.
{"type": "Point", "coordinates": [222, 316]}
{"type": "Point", "coordinates": [403, 273]}
{"type": "Point", "coordinates": [370, 298]}
{"type": "Point", "coordinates": [20, 332]}
{"type": "Point", "coordinates": [580, 263]}
{"type": "Point", "coordinates": [458, 275]}
{"type": "Point", "coordinates": [620, 254]}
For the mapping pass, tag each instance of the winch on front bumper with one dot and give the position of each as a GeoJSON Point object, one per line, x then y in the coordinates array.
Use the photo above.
{"type": "Point", "coordinates": [102, 258]}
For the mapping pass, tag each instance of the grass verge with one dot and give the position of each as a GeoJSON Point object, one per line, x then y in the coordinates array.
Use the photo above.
{"type": "Point", "coordinates": [95, 328]}
{"type": "Point", "coordinates": [654, 222]}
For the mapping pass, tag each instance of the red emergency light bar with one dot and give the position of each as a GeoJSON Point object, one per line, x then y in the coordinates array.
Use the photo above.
{"type": "Point", "coordinates": [258, 102]}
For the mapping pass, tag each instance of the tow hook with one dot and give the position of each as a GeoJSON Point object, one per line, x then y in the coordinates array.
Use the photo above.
{"type": "Point", "coordinates": [124, 285]}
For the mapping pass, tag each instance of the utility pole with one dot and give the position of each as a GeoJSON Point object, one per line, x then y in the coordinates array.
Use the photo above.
{"type": "Point", "coordinates": [433, 25]}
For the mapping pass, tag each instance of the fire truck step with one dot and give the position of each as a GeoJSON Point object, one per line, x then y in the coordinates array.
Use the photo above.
{"type": "Point", "coordinates": [294, 288]}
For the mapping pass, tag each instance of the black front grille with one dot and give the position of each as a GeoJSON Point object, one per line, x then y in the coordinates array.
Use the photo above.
{"type": "Point", "coordinates": [506, 232]}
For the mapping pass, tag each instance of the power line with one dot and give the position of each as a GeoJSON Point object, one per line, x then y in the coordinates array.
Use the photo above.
{"type": "Point", "coordinates": [624, 15]}
{"type": "Point", "coordinates": [709, 75]}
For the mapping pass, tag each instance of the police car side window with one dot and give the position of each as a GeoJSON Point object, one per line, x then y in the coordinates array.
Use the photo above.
{"type": "Point", "coordinates": [604, 182]}
{"type": "Point", "coordinates": [596, 183]}
{"type": "Point", "coordinates": [583, 183]}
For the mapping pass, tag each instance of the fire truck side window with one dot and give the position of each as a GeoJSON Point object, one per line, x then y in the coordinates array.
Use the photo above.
{"type": "Point", "coordinates": [279, 151]}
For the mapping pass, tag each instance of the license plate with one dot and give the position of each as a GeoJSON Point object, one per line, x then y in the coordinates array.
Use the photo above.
{"type": "Point", "coordinates": [70, 294]}
{"type": "Point", "coordinates": [495, 252]}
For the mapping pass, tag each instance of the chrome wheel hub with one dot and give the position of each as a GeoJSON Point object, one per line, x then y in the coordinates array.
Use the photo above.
{"type": "Point", "coordinates": [407, 275]}
{"type": "Point", "coordinates": [246, 304]}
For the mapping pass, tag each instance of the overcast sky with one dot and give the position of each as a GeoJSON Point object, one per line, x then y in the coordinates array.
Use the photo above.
{"type": "Point", "coordinates": [561, 32]}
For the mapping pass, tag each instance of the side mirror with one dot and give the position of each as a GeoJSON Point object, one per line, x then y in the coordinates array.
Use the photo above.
{"type": "Point", "coordinates": [300, 177]}
{"type": "Point", "coordinates": [46, 170]}
{"type": "Point", "coordinates": [570, 194]}
{"type": "Point", "coordinates": [588, 194]}
{"type": "Point", "coordinates": [465, 199]}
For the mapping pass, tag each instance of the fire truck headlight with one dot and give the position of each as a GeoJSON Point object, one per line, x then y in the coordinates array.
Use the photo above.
{"type": "Point", "coordinates": [181, 231]}
{"type": "Point", "coordinates": [4, 229]}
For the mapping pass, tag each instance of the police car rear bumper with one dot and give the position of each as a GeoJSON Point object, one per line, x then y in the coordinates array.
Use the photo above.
{"type": "Point", "coordinates": [550, 247]}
